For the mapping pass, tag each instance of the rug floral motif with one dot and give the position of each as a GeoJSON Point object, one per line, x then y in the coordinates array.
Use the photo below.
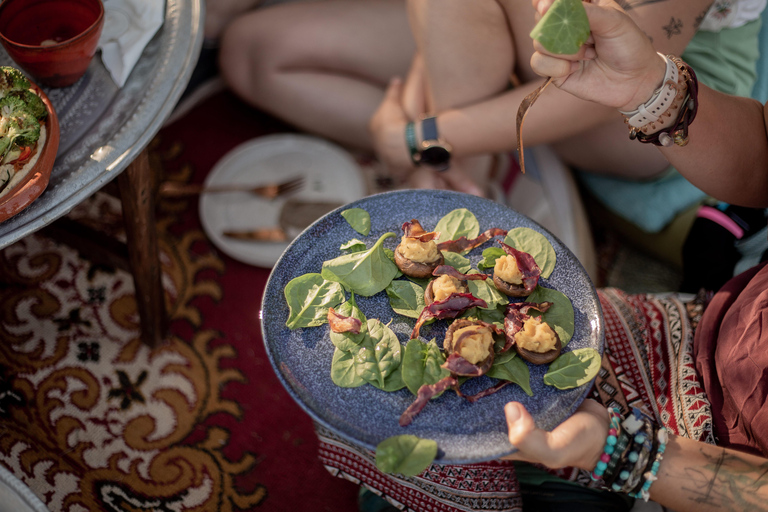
{"type": "Point", "coordinates": [92, 419]}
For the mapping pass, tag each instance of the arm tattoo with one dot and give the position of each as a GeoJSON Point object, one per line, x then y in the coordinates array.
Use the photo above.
{"type": "Point", "coordinates": [728, 482]}
{"type": "Point", "coordinates": [699, 19]}
{"type": "Point", "coordinates": [673, 28]}
{"type": "Point", "coordinates": [628, 5]}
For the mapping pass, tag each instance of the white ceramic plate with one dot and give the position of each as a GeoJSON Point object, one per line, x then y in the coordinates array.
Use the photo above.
{"type": "Point", "coordinates": [15, 496]}
{"type": "Point", "coordinates": [331, 175]}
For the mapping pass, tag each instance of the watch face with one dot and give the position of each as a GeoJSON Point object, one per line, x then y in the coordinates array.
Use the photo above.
{"type": "Point", "coordinates": [436, 156]}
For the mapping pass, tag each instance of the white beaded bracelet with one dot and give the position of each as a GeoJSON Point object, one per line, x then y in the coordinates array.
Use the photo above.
{"type": "Point", "coordinates": [663, 97]}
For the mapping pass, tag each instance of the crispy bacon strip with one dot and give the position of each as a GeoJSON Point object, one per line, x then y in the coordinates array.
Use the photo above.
{"type": "Point", "coordinates": [341, 324]}
{"type": "Point", "coordinates": [447, 270]}
{"type": "Point", "coordinates": [463, 244]}
{"type": "Point", "coordinates": [413, 229]}
{"type": "Point", "coordinates": [526, 264]}
{"type": "Point", "coordinates": [515, 316]}
{"type": "Point", "coordinates": [489, 391]}
{"type": "Point", "coordinates": [425, 393]}
{"type": "Point", "coordinates": [451, 307]}
{"type": "Point", "coordinates": [457, 365]}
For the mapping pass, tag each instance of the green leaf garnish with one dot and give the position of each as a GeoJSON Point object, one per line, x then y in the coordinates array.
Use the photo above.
{"type": "Point", "coordinates": [359, 219]}
{"type": "Point", "coordinates": [573, 369]}
{"type": "Point", "coordinates": [563, 28]}
{"type": "Point", "coordinates": [457, 223]}
{"type": "Point", "coordinates": [308, 297]}
{"type": "Point", "coordinates": [407, 455]}
{"type": "Point", "coordinates": [535, 244]}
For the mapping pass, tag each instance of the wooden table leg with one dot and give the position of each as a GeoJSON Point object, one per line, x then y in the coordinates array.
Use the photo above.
{"type": "Point", "coordinates": [137, 197]}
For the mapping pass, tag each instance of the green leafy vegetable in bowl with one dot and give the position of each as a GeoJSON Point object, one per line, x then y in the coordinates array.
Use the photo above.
{"type": "Point", "coordinates": [22, 113]}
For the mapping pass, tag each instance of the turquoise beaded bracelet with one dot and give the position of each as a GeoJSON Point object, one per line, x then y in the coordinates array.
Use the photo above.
{"type": "Point", "coordinates": [610, 444]}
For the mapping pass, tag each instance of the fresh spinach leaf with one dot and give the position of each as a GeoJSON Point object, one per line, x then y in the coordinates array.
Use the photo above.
{"type": "Point", "coordinates": [348, 341]}
{"type": "Point", "coordinates": [359, 219]}
{"type": "Point", "coordinates": [490, 255]}
{"type": "Point", "coordinates": [343, 372]}
{"type": "Point", "coordinates": [391, 255]}
{"type": "Point", "coordinates": [394, 381]}
{"type": "Point", "coordinates": [419, 281]}
{"type": "Point", "coordinates": [365, 273]}
{"type": "Point", "coordinates": [309, 297]}
{"type": "Point", "coordinates": [535, 244]}
{"type": "Point", "coordinates": [509, 367]}
{"type": "Point", "coordinates": [354, 245]}
{"type": "Point", "coordinates": [406, 455]}
{"type": "Point", "coordinates": [486, 290]}
{"type": "Point", "coordinates": [573, 369]}
{"type": "Point", "coordinates": [457, 261]}
{"type": "Point", "coordinates": [406, 297]}
{"type": "Point", "coordinates": [458, 223]}
{"type": "Point", "coordinates": [491, 316]}
{"type": "Point", "coordinates": [560, 315]}
{"type": "Point", "coordinates": [379, 355]}
{"type": "Point", "coordinates": [421, 364]}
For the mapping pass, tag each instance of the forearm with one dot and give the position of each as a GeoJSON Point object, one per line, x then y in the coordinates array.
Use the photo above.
{"type": "Point", "coordinates": [702, 477]}
{"type": "Point", "coordinates": [727, 152]}
{"type": "Point", "coordinates": [489, 126]}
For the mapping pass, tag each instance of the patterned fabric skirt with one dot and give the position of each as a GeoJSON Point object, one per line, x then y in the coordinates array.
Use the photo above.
{"type": "Point", "coordinates": [648, 363]}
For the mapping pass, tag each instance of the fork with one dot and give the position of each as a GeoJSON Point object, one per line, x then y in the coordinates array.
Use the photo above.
{"type": "Point", "coordinates": [269, 191]}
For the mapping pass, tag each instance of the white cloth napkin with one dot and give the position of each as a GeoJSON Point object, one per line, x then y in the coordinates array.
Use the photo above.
{"type": "Point", "coordinates": [128, 27]}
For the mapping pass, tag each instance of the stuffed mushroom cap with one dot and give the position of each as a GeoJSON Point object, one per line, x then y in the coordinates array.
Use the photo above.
{"type": "Point", "coordinates": [537, 342]}
{"type": "Point", "coordinates": [471, 339]}
{"type": "Point", "coordinates": [442, 287]}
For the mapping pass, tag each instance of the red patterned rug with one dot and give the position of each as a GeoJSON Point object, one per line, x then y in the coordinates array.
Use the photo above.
{"type": "Point", "coordinates": [92, 420]}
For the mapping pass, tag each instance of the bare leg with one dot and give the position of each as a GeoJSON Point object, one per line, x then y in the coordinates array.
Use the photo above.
{"type": "Point", "coordinates": [322, 65]}
{"type": "Point", "coordinates": [468, 57]}
{"type": "Point", "coordinates": [219, 13]}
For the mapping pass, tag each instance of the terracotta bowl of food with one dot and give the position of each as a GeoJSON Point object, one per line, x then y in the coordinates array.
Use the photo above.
{"type": "Point", "coordinates": [53, 41]}
{"type": "Point", "coordinates": [31, 176]}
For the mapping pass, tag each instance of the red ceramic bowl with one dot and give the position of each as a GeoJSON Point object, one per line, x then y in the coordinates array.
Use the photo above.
{"type": "Point", "coordinates": [53, 41]}
{"type": "Point", "coordinates": [34, 182]}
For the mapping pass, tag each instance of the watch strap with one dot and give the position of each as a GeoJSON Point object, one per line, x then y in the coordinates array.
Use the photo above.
{"type": "Point", "coordinates": [410, 139]}
{"type": "Point", "coordinates": [429, 128]}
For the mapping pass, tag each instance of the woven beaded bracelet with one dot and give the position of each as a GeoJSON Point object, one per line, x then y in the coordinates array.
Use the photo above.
{"type": "Point", "coordinates": [638, 428]}
{"type": "Point", "coordinates": [633, 465]}
{"type": "Point", "coordinates": [619, 453]}
{"type": "Point", "coordinates": [610, 445]}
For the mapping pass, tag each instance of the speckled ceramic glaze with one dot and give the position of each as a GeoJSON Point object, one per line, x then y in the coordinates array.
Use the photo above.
{"type": "Point", "coordinates": [465, 432]}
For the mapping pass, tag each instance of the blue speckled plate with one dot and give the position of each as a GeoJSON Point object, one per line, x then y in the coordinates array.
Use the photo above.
{"type": "Point", "coordinates": [465, 432]}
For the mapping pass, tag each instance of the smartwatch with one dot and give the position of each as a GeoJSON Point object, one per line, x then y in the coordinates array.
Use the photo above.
{"type": "Point", "coordinates": [433, 151]}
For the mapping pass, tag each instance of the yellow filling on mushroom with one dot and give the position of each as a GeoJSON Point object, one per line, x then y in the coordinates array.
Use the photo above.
{"type": "Point", "coordinates": [476, 346]}
{"type": "Point", "coordinates": [507, 270]}
{"type": "Point", "coordinates": [444, 286]}
{"type": "Point", "coordinates": [536, 336]}
{"type": "Point", "coordinates": [418, 251]}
